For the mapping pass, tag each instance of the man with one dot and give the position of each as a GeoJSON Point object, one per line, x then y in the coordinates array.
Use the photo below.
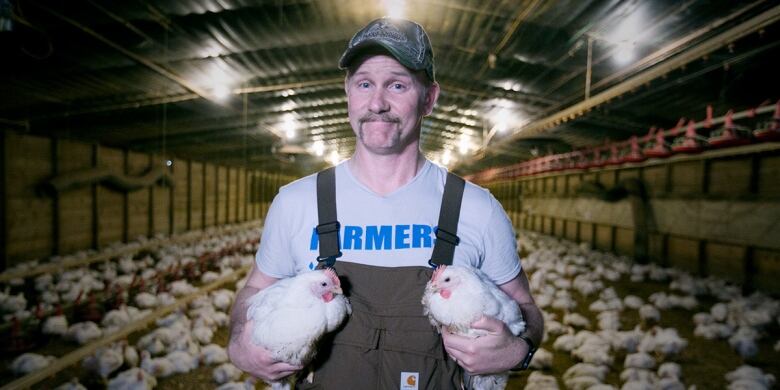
{"type": "Point", "coordinates": [387, 202]}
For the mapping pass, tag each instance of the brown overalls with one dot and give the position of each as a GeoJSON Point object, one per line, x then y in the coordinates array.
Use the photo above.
{"type": "Point", "coordinates": [387, 342]}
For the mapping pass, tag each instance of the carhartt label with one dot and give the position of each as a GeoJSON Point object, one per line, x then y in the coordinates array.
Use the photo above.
{"type": "Point", "coordinates": [409, 380]}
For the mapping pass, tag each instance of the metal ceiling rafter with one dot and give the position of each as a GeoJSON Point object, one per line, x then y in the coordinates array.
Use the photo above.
{"type": "Point", "coordinates": [657, 56]}
{"type": "Point", "coordinates": [135, 57]}
{"type": "Point", "coordinates": [190, 96]}
{"type": "Point", "coordinates": [521, 16]}
{"type": "Point", "coordinates": [537, 127]}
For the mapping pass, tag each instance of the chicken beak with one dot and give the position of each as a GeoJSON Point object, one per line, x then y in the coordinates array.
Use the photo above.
{"type": "Point", "coordinates": [337, 290]}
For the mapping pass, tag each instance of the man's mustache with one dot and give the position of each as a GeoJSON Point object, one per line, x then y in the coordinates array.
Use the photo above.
{"type": "Point", "coordinates": [370, 117]}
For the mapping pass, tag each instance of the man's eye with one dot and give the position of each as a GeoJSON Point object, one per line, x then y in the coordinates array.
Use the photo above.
{"type": "Point", "coordinates": [363, 84]}
{"type": "Point", "coordinates": [399, 86]}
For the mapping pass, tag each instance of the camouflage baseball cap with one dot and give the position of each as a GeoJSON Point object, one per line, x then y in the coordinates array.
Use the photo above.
{"type": "Point", "coordinates": [403, 39]}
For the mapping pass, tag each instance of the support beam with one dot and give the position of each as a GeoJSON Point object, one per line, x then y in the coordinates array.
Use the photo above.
{"type": "Point", "coordinates": [135, 57]}
{"type": "Point", "coordinates": [3, 202]}
{"type": "Point", "coordinates": [540, 126]}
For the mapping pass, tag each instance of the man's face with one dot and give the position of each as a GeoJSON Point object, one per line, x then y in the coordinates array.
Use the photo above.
{"type": "Point", "coordinates": [386, 105]}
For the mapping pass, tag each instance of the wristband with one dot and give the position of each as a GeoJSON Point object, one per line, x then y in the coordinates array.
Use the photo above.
{"type": "Point", "coordinates": [527, 360]}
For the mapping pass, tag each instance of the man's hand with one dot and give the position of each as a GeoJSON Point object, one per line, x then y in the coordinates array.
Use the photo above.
{"type": "Point", "coordinates": [255, 360]}
{"type": "Point", "coordinates": [497, 351]}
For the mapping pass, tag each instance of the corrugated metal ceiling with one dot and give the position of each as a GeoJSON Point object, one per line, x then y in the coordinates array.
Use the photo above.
{"type": "Point", "coordinates": [139, 74]}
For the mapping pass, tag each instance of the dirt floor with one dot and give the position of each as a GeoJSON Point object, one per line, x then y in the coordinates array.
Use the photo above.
{"type": "Point", "coordinates": [703, 362]}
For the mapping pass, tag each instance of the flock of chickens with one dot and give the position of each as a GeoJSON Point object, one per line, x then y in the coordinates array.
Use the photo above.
{"type": "Point", "coordinates": [83, 305]}
{"type": "Point", "coordinates": [594, 338]}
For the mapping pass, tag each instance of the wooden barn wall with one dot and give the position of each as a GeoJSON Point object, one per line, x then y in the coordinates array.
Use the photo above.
{"type": "Point", "coordinates": [717, 213]}
{"type": "Point", "coordinates": [39, 224]}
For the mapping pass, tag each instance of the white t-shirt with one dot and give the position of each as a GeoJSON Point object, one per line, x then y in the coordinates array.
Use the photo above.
{"type": "Point", "coordinates": [393, 230]}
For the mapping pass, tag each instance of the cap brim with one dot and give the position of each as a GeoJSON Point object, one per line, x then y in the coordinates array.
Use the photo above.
{"type": "Point", "coordinates": [355, 51]}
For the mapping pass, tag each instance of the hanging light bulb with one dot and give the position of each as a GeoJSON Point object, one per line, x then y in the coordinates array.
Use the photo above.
{"type": "Point", "coordinates": [289, 126]}
{"type": "Point", "coordinates": [624, 53]}
{"type": "Point", "coordinates": [220, 92]}
{"type": "Point", "coordinates": [464, 145]}
{"type": "Point", "coordinates": [318, 147]}
{"type": "Point", "coordinates": [334, 158]}
{"type": "Point", "coordinates": [395, 8]}
{"type": "Point", "coordinates": [446, 157]}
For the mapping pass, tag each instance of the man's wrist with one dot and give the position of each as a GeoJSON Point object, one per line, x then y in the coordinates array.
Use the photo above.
{"type": "Point", "coordinates": [526, 360]}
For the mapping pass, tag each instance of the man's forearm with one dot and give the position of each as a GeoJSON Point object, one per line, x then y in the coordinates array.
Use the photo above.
{"type": "Point", "coordinates": [238, 314]}
{"type": "Point", "coordinates": [534, 322]}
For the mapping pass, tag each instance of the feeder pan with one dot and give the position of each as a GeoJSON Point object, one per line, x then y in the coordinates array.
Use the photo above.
{"type": "Point", "coordinates": [768, 134]}
{"type": "Point", "coordinates": [730, 134]}
{"type": "Point", "coordinates": [690, 143]}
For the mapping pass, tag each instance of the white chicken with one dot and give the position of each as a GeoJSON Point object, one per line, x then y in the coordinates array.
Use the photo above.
{"type": "Point", "coordinates": [84, 332]}
{"type": "Point", "coordinates": [133, 379]}
{"type": "Point", "coordinates": [226, 372]}
{"type": "Point", "coordinates": [104, 361]}
{"type": "Point", "coordinates": [291, 315]}
{"type": "Point", "coordinates": [29, 362]}
{"type": "Point", "coordinates": [213, 354]}
{"type": "Point", "coordinates": [55, 325]}
{"type": "Point", "coordinates": [456, 296]}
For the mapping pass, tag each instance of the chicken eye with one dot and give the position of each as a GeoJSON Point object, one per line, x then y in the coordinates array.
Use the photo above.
{"type": "Point", "coordinates": [447, 279]}
{"type": "Point", "coordinates": [324, 284]}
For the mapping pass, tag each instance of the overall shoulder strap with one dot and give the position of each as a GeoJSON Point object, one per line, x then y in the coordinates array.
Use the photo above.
{"type": "Point", "coordinates": [328, 227]}
{"type": "Point", "coordinates": [446, 231]}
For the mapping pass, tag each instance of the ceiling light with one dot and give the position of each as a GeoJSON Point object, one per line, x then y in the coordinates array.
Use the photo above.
{"type": "Point", "coordinates": [318, 147]}
{"type": "Point", "coordinates": [446, 157]}
{"type": "Point", "coordinates": [631, 25]}
{"type": "Point", "coordinates": [220, 92]}
{"type": "Point", "coordinates": [289, 126]}
{"type": "Point", "coordinates": [394, 8]}
{"type": "Point", "coordinates": [464, 145]}
{"type": "Point", "coordinates": [501, 120]}
{"type": "Point", "coordinates": [333, 158]}
{"type": "Point", "coordinates": [624, 53]}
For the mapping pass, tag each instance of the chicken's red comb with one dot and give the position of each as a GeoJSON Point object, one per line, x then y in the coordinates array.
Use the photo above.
{"type": "Point", "coordinates": [333, 277]}
{"type": "Point", "coordinates": [437, 272]}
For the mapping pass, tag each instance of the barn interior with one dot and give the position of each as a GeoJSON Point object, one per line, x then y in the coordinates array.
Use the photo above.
{"type": "Point", "coordinates": [636, 144]}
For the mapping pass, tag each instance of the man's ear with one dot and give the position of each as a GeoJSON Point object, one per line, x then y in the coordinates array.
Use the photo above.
{"type": "Point", "coordinates": [431, 97]}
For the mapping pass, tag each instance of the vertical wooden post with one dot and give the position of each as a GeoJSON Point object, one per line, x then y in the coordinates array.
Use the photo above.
{"type": "Point", "coordinates": [564, 229]}
{"type": "Point", "coordinates": [665, 250]}
{"type": "Point", "coordinates": [216, 195]}
{"type": "Point", "coordinates": [703, 266]}
{"type": "Point", "coordinates": [612, 238]}
{"type": "Point", "coordinates": [189, 195]}
{"type": "Point", "coordinates": [55, 201]}
{"type": "Point", "coordinates": [125, 200]}
{"type": "Point", "coordinates": [203, 197]}
{"type": "Point", "coordinates": [171, 197]}
{"type": "Point", "coordinates": [228, 180]}
{"type": "Point", "coordinates": [706, 166]}
{"type": "Point", "coordinates": [750, 270]}
{"type": "Point", "coordinates": [95, 200]}
{"type": "Point", "coordinates": [3, 203]}
{"type": "Point", "coordinates": [577, 233]}
{"type": "Point", "coordinates": [246, 194]}
{"type": "Point", "coordinates": [234, 177]}
{"type": "Point", "coordinates": [150, 210]}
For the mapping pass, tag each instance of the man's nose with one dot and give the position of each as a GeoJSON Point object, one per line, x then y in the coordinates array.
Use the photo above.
{"type": "Point", "coordinates": [378, 102]}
